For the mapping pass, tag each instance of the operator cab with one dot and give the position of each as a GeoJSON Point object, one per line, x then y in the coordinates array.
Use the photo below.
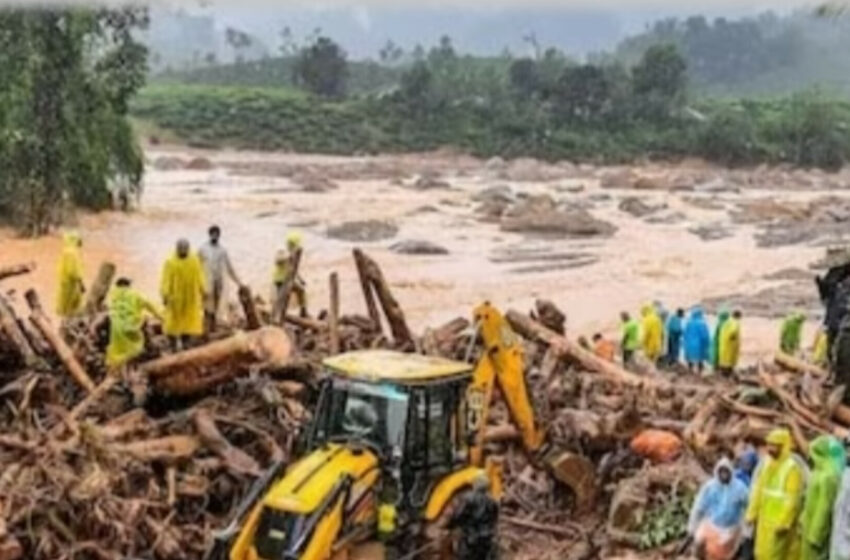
{"type": "Point", "coordinates": [407, 409]}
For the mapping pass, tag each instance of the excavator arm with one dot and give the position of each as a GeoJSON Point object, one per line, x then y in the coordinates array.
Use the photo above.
{"type": "Point", "coordinates": [503, 363]}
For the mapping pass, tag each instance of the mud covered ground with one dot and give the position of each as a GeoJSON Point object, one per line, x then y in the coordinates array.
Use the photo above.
{"type": "Point", "coordinates": [596, 240]}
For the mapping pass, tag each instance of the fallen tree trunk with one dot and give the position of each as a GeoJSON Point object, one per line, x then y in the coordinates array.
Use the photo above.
{"type": "Point", "coordinates": [9, 325]}
{"type": "Point", "coordinates": [246, 299]}
{"type": "Point", "coordinates": [234, 458]}
{"type": "Point", "coordinates": [59, 346]}
{"type": "Point", "coordinates": [797, 365]}
{"type": "Point", "coordinates": [100, 288]}
{"type": "Point", "coordinates": [370, 270]}
{"type": "Point", "coordinates": [169, 449]}
{"type": "Point", "coordinates": [16, 270]}
{"type": "Point", "coordinates": [333, 313]}
{"type": "Point", "coordinates": [202, 368]}
{"type": "Point", "coordinates": [532, 330]}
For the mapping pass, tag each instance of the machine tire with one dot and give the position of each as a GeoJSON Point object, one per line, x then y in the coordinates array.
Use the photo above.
{"type": "Point", "coordinates": [436, 530]}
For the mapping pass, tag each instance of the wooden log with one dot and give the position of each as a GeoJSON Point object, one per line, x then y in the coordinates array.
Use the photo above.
{"type": "Point", "coordinates": [196, 370]}
{"type": "Point", "coordinates": [333, 313]}
{"type": "Point", "coordinates": [16, 270]}
{"type": "Point", "coordinates": [236, 460]}
{"type": "Point", "coordinates": [57, 343]}
{"type": "Point", "coordinates": [306, 323]}
{"type": "Point", "coordinates": [285, 292]}
{"type": "Point", "coordinates": [169, 449]}
{"type": "Point", "coordinates": [368, 295]}
{"type": "Point", "coordinates": [550, 316]}
{"type": "Point", "coordinates": [567, 349]}
{"type": "Point", "coordinates": [698, 432]}
{"type": "Point", "coordinates": [402, 336]}
{"type": "Point", "coordinates": [99, 289]}
{"type": "Point", "coordinates": [10, 327]}
{"type": "Point", "coordinates": [246, 299]}
{"type": "Point", "coordinates": [797, 365]}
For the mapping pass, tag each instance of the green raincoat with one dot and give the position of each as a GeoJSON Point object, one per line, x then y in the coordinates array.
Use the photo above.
{"type": "Point", "coordinates": [816, 517]}
{"type": "Point", "coordinates": [791, 333]}
{"type": "Point", "coordinates": [126, 317]}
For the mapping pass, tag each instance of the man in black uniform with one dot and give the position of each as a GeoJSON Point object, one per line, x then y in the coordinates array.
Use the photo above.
{"type": "Point", "coordinates": [477, 518]}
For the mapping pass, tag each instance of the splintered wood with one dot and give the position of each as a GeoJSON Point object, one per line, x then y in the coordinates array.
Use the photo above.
{"type": "Point", "coordinates": [150, 460]}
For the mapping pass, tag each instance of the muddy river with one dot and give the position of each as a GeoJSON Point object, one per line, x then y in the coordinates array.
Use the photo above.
{"type": "Point", "coordinates": [256, 198]}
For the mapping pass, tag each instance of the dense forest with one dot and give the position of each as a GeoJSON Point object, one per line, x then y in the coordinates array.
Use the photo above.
{"type": "Point", "coordinates": [550, 106]}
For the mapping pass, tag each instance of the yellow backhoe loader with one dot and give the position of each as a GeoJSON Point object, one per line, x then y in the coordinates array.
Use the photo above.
{"type": "Point", "coordinates": [391, 424]}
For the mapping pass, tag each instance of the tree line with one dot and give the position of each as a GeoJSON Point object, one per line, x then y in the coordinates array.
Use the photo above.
{"type": "Point", "coordinates": [66, 79]}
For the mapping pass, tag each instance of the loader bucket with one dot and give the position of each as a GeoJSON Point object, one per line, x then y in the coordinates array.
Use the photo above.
{"type": "Point", "coordinates": [578, 473]}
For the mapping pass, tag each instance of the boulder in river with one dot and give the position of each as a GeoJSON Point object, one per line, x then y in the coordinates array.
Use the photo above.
{"type": "Point", "coordinates": [418, 247]}
{"type": "Point", "coordinates": [541, 215]}
{"type": "Point", "coordinates": [636, 207]}
{"type": "Point", "coordinates": [364, 230]}
{"type": "Point", "coordinates": [199, 164]}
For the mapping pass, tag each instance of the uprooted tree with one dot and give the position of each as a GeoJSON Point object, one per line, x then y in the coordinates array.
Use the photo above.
{"type": "Point", "coordinates": [66, 76]}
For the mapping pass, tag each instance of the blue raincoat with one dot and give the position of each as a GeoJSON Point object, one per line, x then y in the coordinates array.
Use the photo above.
{"type": "Point", "coordinates": [675, 329]}
{"type": "Point", "coordinates": [746, 465]}
{"type": "Point", "coordinates": [724, 505]}
{"type": "Point", "coordinates": [697, 338]}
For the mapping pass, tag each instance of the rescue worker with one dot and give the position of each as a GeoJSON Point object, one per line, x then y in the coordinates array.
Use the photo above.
{"type": "Point", "coordinates": [821, 490]}
{"type": "Point", "coordinates": [630, 341]}
{"type": "Point", "coordinates": [729, 349]}
{"type": "Point", "coordinates": [745, 464]}
{"type": "Point", "coordinates": [603, 348]}
{"type": "Point", "coordinates": [820, 349]}
{"type": "Point", "coordinates": [477, 518]}
{"type": "Point", "coordinates": [717, 517]}
{"type": "Point", "coordinates": [387, 522]}
{"type": "Point", "coordinates": [182, 289]}
{"type": "Point", "coordinates": [127, 310]}
{"type": "Point", "coordinates": [282, 266]}
{"type": "Point", "coordinates": [839, 548]}
{"type": "Point", "coordinates": [652, 334]}
{"type": "Point", "coordinates": [697, 341]}
{"type": "Point", "coordinates": [216, 261]}
{"type": "Point", "coordinates": [791, 333]}
{"type": "Point", "coordinates": [675, 330]}
{"type": "Point", "coordinates": [776, 498]}
{"type": "Point", "coordinates": [722, 317]}
{"type": "Point", "coordinates": [69, 300]}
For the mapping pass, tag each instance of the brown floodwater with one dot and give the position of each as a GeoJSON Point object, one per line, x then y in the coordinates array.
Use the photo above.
{"type": "Point", "coordinates": [641, 262]}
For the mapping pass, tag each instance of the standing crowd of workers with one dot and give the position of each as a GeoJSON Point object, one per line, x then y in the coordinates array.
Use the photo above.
{"type": "Point", "coordinates": [192, 286]}
{"type": "Point", "coordinates": [780, 507]}
{"type": "Point", "coordinates": [665, 340]}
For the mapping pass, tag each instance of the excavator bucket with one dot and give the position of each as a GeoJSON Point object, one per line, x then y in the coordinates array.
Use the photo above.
{"type": "Point", "coordinates": [578, 473]}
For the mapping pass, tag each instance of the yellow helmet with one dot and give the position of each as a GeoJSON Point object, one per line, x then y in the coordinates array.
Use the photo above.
{"type": "Point", "coordinates": [293, 239]}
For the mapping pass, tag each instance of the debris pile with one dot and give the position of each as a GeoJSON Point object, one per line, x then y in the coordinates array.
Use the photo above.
{"type": "Point", "coordinates": [150, 463]}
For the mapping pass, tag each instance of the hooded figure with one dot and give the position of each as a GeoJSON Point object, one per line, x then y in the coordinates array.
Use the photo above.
{"type": "Point", "coordinates": [717, 516]}
{"type": "Point", "coordinates": [816, 518]}
{"type": "Point", "coordinates": [675, 330]}
{"type": "Point", "coordinates": [776, 498]}
{"type": "Point", "coordinates": [746, 465]}
{"type": "Point", "coordinates": [722, 317]}
{"type": "Point", "coordinates": [127, 310]}
{"type": "Point", "coordinates": [697, 339]}
{"type": "Point", "coordinates": [730, 343]}
{"type": "Point", "coordinates": [70, 271]}
{"type": "Point", "coordinates": [182, 288]}
{"type": "Point", "coordinates": [839, 548]}
{"type": "Point", "coordinates": [652, 333]}
{"type": "Point", "coordinates": [283, 263]}
{"type": "Point", "coordinates": [477, 517]}
{"type": "Point", "coordinates": [791, 333]}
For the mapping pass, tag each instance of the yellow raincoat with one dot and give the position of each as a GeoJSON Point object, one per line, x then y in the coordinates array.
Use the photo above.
{"type": "Point", "coordinates": [126, 317]}
{"type": "Point", "coordinates": [652, 333]}
{"type": "Point", "coordinates": [69, 300]}
{"type": "Point", "coordinates": [775, 501]}
{"type": "Point", "coordinates": [820, 356]}
{"type": "Point", "coordinates": [182, 288]}
{"type": "Point", "coordinates": [730, 344]}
